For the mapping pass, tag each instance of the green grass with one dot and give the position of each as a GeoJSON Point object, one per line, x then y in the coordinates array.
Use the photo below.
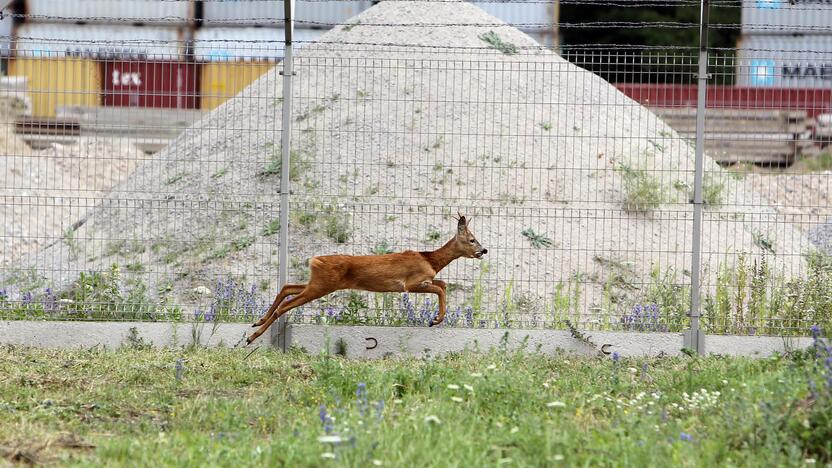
{"type": "Point", "coordinates": [138, 406]}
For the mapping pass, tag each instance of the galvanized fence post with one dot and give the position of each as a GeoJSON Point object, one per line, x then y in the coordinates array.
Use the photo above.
{"type": "Point", "coordinates": [279, 333]}
{"type": "Point", "coordinates": [695, 337]}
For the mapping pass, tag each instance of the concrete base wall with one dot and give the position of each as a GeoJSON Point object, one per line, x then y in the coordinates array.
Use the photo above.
{"type": "Point", "coordinates": [116, 334]}
{"type": "Point", "coordinates": [377, 342]}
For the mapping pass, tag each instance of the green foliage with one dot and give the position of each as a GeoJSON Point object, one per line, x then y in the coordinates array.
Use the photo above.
{"type": "Point", "coordinates": [382, 248]}
{"type": "Point", "coordinates": [272, 228]}
{"type": "Point", "coordinates": [433, 234]}
{"type": "Point", "coordinates": [713, 187]}
{"type": "Point", "coordinates": [642, 192]}
{"type": "Point", "coordinates": [300, 160]}
{"type": "Point", "coordinates": [537, 240]}
{"type": "Point", "coordinates": [495, 41]}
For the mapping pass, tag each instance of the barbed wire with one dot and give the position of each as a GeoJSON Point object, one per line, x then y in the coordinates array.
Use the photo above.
{"type": "Point", "coordinates": [519, 25]}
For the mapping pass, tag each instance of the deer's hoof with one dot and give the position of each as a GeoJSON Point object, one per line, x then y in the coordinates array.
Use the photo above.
{"type": "Point", "coordinates": [249, 340]}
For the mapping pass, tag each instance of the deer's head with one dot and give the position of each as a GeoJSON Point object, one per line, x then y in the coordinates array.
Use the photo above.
{"type": "Point", "coordinates": [466, 242]}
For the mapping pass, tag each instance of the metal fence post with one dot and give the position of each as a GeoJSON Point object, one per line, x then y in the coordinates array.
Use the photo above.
{"type": "Point", "coordinates": [279, 333]}
{"type": "Point", "coordinates": [695, 337]}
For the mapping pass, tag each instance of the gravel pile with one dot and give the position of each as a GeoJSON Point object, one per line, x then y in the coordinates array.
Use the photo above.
{"type": "Point", "coordinates": [391, 140]}
{"type": "Point", "coordinates": [46, 191]}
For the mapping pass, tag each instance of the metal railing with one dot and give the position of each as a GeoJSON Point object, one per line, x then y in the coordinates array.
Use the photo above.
{"type": "Point", "coordinates": [168, 178]}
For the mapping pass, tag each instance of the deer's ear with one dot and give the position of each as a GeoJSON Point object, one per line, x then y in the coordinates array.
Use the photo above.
{"type": "Point", "coordinates": [462, 224]}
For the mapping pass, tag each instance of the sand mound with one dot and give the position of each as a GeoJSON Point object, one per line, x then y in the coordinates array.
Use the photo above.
{"type": "Point", "coordinates": [391, 140]}
{"type": "Point", "coordinates": [45, 192]}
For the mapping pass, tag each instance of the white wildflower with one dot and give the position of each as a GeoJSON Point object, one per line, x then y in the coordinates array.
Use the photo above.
{"type": "Point", "coordinates": [504, 461]}
{"type": "Point", "coordinates": [556, 404]}
{"type": "Point", "coordinates": [632, 370]}
{"type": "Point", "coordinates": [476, 375]}
{"type": "Point", "coordinates": [329, 455]}
{"type": "Point", "coordinates": [453, 386]}
{"type": "Point", "coordinates": [468, 387]}
{"type": "Point", "coordinates": [329, 439]}
{"type": "Point", "coordinates": [491, 366]}
{"type": "Point", "coordinates": [810, 461]}
{"type": "Point", "coordinates": [558, 457]}
{"type": "Point", "coordinates": [514, 430]}
{"type": "Point", "coordinates": [377, 463]}
{"type": "Point", "coordinates": [457, 399]}
{"type": "Point", "coordinates": [432, 419]}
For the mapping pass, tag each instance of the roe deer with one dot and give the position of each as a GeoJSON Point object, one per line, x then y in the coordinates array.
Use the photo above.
{"type": "Point", "coordinates": [406, 271]}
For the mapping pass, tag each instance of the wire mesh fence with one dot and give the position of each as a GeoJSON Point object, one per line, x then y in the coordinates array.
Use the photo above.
{"type": "Point", "coordinates": [142, 165]}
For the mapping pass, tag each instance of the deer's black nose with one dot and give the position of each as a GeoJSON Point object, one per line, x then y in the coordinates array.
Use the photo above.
{"type": "Point", "coordinates": [484, 251]}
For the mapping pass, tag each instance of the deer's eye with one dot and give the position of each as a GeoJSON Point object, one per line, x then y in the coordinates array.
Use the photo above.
{"type": "Point", "coordinates": [472, 241]}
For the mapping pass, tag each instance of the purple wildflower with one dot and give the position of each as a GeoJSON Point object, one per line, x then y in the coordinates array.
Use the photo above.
{"type": "Point", "coordinates": [685, 436]}
{"type": "Point", "coordinates": [361, 395]}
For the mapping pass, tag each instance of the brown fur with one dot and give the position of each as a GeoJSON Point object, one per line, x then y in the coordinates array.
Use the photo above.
{"type": "Point", "coordinates": [406, 271]}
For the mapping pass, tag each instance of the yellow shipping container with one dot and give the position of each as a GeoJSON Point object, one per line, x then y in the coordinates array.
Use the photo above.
{"type": "Point", "coordinates": [57, 82]}
{"type": "Point", "coordinates": [223, 80]}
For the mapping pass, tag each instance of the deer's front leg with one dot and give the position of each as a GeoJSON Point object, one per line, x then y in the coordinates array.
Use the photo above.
{"type": "Point", "coordinates": [433, 287]}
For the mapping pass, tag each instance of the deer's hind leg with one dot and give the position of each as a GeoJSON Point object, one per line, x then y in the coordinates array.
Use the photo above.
{"type": "Point", "coordinates": [310, 293]}
{"type": "Point", "coordinates": [286, 290]}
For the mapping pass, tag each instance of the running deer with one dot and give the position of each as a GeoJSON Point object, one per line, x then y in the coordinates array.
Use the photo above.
{"type": "Point", "coordinates": [406, 271]}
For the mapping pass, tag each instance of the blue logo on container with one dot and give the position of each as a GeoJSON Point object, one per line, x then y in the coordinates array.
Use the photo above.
{"type": "Point", "coordinates": [768, 4]}
{"type": "Point", "coordinates": [762, 72]}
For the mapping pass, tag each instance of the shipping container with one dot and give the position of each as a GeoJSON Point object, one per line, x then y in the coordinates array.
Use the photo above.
{"type": "Point", "coordinates": [169, 85]}
{"type": "Point", "coordinates": [224, 80]}
{"type": "Point", "coordinates": [785, 61]}
{"type": "Point", "coordinates": [6, 30]}
{"type": "Point", "coordinates": [99, 41]}
{"type": "Point", "coordinates": [238, 56]}
{"type": "Point", "coordinates": [111, 11]}
{"type": "Point", "coordinates": [223, 44]}
{"type": "Point", "coordinates": [526, 16]}
{"type": "Point", "coordinates": [53, 83]}
{"type": "Point", "coordinates": [813, 101]}
{"type": "Point", "coordinates": [786, 17]}
{"type": "Point", "coordinates": [314, 14]}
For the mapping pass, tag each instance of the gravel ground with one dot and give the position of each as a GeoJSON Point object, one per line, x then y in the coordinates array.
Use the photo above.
{"type": "Point", "coordinates": [394, 140]}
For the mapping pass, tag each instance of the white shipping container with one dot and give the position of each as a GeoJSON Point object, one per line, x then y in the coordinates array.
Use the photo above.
{"type": "Point", "coordinates": [786, 17]}
{"type": "Point", "coordinates": [108, 42]}
{"type": "Point", "coordinates": [5, 34]}
{"type": "Point", "coordinates": [226, 44]}
{"type": "Point", "coordinates": [527, 16]}
{"type": "Point", "coordinates": [785, 61]}
{"type": "Point", "coordinates": [314, 14]}
{"type": "Point", "coordinates": [111, 11]}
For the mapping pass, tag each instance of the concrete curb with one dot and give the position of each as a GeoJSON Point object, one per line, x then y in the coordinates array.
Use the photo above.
{"type": "Point", "coordinates": [116, 334]}
{"type": "Point", "coordinates": [366, 342]}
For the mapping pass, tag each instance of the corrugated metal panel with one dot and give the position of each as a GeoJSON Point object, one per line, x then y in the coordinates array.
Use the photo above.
{"type": "Point", "coordinates": [520, 13]}
{"type": "Point", "coordinates": [785, 61]}
{"type": "Point", "coordinates": [99, 41]}
{"type": "Point", "coordinates": [221, 81]}
{"type": "Point", "coordinates": [109, 11]}
{"type": "Point", "coordinates": [58, 82]}
{"type": "Point", "coordinates": [224, 44]}
{"type": "Point", "coordinates": [786, 17]}
{"type": "Point", "coordinates": [247, 13]}
{"type": "Point", "coordinates": [172, 85]}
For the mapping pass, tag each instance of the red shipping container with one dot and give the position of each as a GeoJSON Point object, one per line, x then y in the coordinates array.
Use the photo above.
{"type": "Point", "coordinates": [159, 84]}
